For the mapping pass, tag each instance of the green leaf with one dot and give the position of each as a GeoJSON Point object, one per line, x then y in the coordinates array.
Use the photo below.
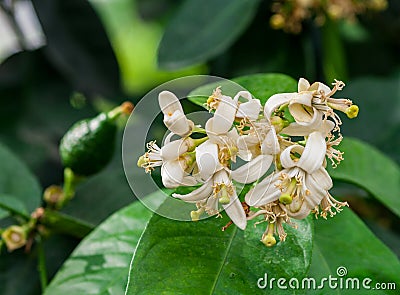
{"type": "Point", "coordinates": [17, 181]}
{"type": "Point", "coordinates": [10, 205]}
{"type": "Point", "coordinates": [88, 63]}
{"type": "Point", "coordinates": [100, 264]}
{"type": "Point", "coordinates": [261, 86]}
{"type": "Point", "coordinates": [368, 168]}
{"type": "Point", "coordinates": [334, 59]}
{"type": "Point", "coordinates": [203, 29]}
{"type": "Point", "coordinates": [175, 257]}
{"type": "Point", "coordinates": [19, 270]}
{"type": "Point", "coordinates": [345, 241]}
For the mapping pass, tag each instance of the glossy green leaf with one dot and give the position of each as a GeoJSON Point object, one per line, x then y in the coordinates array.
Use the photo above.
{"type": "Point", "coordinates": [100, 264]}
{"type": "Point", "coordinates": [368, 168]}
{"type": "Point", "coordinates": [334, 59]}
{"type": "Point", "coordinates": [17, 181]}
{"type": "Point", "coordinates": [261, 86]}
{"type": "Point", "coordinates": [203, 29]}
{"type": "Point", "coordinates": [175, 257]}
{"type": "Point", "coordinates": [345, 241]}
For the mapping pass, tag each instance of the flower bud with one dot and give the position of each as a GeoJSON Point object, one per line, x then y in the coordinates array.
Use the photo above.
{"type": "Point", "coordinates": [53, 195]}
{"type": "Point", "coordinates": [14, 237]}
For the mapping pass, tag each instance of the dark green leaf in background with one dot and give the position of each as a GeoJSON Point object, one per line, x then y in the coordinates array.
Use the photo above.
{"type": "Point", "coordinates": [345, 241]}
{"type": "Point", "coordinates": [78, 45]}
{"type": "Point", "coordinates": [366, 167]}
{"type": "Point", "coordinates": [100, 265]}
{"type": "Point", "coordinates": [202, 29]}
{"type": "Point", "coordinates": [19, 271]}
{"type": "Point", "coordinates": [17, 181]}
{"type": "Point", "coordinates": [11, 205]}
{"type": "Point", "coordinates": [175, 257]}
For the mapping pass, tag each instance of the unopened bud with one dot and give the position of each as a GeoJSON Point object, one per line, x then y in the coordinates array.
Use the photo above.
{"type": "Point", "coordinates": [14, 237]}
{"type": "Point", "coordinates": [53, 194]}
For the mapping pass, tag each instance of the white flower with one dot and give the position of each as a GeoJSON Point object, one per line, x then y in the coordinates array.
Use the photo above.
{"type": "Point", "coordinates": [260, 139]}
{"type": "Point", "coordinates": [310, 105]}
{"type": "Point", "coordinates": [230, 108]}
{"type": "Point", "coordinates": [301, 185]}
{"type": "Point", "coordinates": [217, 188]}
{"type": "Point", "coordinates": [174, 117]}
{"type": "Point", "coordinates": [175, 162]}
{"type": "Point", "coordinates": [250, 109]}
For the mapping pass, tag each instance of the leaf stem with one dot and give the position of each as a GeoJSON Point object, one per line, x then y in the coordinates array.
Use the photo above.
{"type": "Point", "coordinates": [62, 223]}
{"type": "Point", "coordinates": [42, 265]}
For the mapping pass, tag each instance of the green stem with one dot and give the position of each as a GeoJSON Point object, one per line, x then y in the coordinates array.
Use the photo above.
{"type": "Point", "coordinates": [14, 212]}
{"type": "Point", "coordinates": [62, 223]}
{"type": "Point", "coordinates": [42, 265]}
{"type": "Point", "coordinates": [71, 180]}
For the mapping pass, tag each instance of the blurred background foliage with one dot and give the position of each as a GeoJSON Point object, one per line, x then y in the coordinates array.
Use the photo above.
{"type": "Point", "coordinates": [66, 60]}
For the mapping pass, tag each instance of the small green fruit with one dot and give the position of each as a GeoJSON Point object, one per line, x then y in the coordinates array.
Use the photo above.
{"type": "Point", "coordinates": [88, 145]}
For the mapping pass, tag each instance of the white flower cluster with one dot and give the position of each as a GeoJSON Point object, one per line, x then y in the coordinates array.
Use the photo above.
{"type": "Point", "coordinates": [290, 137]}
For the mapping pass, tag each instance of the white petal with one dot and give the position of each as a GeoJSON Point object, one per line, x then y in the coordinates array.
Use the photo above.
{"type": "Point", "coordinates": [304, 98]}
{"type": "Point", "coordinates": [173, 150]}
{"type": "Point", "coordinates": [202, 193]}
{"type": "Point", "coordinates": [322, 177]}
{"type": "Point", "coordinates": [235, 212]}
{"type": "Point", "coordinates": [314, 153]}
{"type": "Point", "coordinates": [169, 103]}
{"type": "Point", "coordinates": [286, 160]}
{"type": "Point", "coordinates": [276, 101]}
{"type": "Point", "coordinates": [305, 128]}
{"type": "Point", "coordinates": [303, 85]}
{"type": "Point", "coordinates": [317, 192]}
{"type": "Point", "coordinates": [212, 203]}
{"type": "Point", "coordinates": [320, 87]}
{"type": "Point", "coordinates": [224, 115]}
{"type": "Point", "coordinates": [172, 174]}
{"type": "Point", "coordinates": [250, 109]}
{"type": "Point", "coordinates": [247, 144]}
{"type": "Point", "coordinates": [264, 192]}
{"type": "Point", "coordinates": [189, 180]}
{"type": "Point", "coordinates": [326, 127]}
{"type": "Point", "coordinates": [252, 170]}
{"type": "Point", "coordinates": [244, 94]}
{"type": "Point", "coordinates": [270, 145]}
{"type": "Point", "coordinates": [301, 214]}
{"type": "Point", "coordinates": [207, 159]}
{"type": "Point", "coordinates": [222, 176]}
{"type": "Point", "coordinates": [177, 123]}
